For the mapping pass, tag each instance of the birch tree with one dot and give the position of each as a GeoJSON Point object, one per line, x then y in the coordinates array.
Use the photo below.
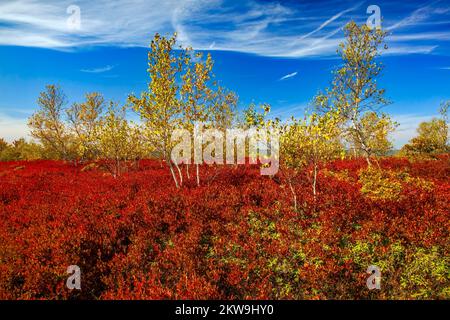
{"type": "Point", "coordinates": [306, 144]}
{"type": "Point", "coordinates": [159, 107]}
{"type": "Point", "coordinates": [116, 139]}
{"type": "Point", "coordinates": [196, 96]}
{"type": "Point", "coordinates": [84, 120]}
{"type": "Point", "coordinates": [354, 89]}
{"type": "Point", "coordinates": [47, 124]}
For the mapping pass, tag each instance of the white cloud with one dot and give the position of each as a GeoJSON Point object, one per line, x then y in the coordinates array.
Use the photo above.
{"type": "Point", "coordinates": [416, 16]}
{"type": "Point", "coordinates": [13, 128]}
{"type": "Point", "coordinates": [262, 28]}
{"type": "Point", "coordinates": [330, 20]}
{"type": "Point", "coordinates": [444, 36]}
{"type": "Point", "coordinates": [404, 49]}
{"type": "Point", "coordinates": [407, 129]}
{"type": "Point", "coordinates": [285, 112]}
{"type": "Point", "coordinates": [290, 75]}
{"type": "Point", "coordinates": [98, 70]}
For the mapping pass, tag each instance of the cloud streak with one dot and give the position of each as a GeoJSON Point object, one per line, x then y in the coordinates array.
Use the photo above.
{"type": "Point", "coordinates": [330, 20]}
{"type": "Point", "coordinates": [290, 75]}
{"type": "Point", "coordinates": [98, 70]}
{"type": "Point", "coordinates": [415, 17]}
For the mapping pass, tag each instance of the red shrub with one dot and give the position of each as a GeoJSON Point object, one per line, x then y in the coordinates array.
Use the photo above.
{"type": "Point", "coordinates": [235, 236]}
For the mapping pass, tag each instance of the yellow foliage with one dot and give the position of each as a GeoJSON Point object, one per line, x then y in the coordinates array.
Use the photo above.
{"type": "Point", "coordinates": [387, 184]}
{"type": "Point", "coordinates": [342, 175]}
{"type": "Point", "coordinates": [380, 184]}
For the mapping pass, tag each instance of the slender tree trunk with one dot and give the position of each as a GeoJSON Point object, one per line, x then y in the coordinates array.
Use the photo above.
{"type": "Point", "coordinates": [314, 181]}
{"type": "Point", "coordinates": [294, 196]}
{"type": "Point", "coordinates": [369, 163]}
{"type": "Point", "coordinates": [173, 175]}
{"type": "Point", "coordinates": [187, 171]}
{"type": "Point", "coordinates": [198, 174]}
{"type": "Point", "coordinates": [180, 174]}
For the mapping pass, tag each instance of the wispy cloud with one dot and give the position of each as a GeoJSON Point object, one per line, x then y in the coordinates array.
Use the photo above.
{"type": "Point", "coordinates": [330, 20]}
{"type": "Point", "coordinates": [444, 36]}
{"type": "Point", "coordinates": [404, 49]}
{"type": "Point", "coordinates": [98, 70]}
{"type": "Point", "coordinates": [284, 112]}
{"type": "Point", "coordinates": [276, 29]}
{"type": "Point", "coordinates": [416, 16]}
{"type": "Point", "coordinates": [290, 75]}
{"type": "Point", "coordinates": [407, 129]}
{"type": "Point", "coordinates": [12, 128]}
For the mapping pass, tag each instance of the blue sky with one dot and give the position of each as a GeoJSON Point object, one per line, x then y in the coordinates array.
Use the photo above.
{"type": "Point", "coordinates": [279, 52]}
